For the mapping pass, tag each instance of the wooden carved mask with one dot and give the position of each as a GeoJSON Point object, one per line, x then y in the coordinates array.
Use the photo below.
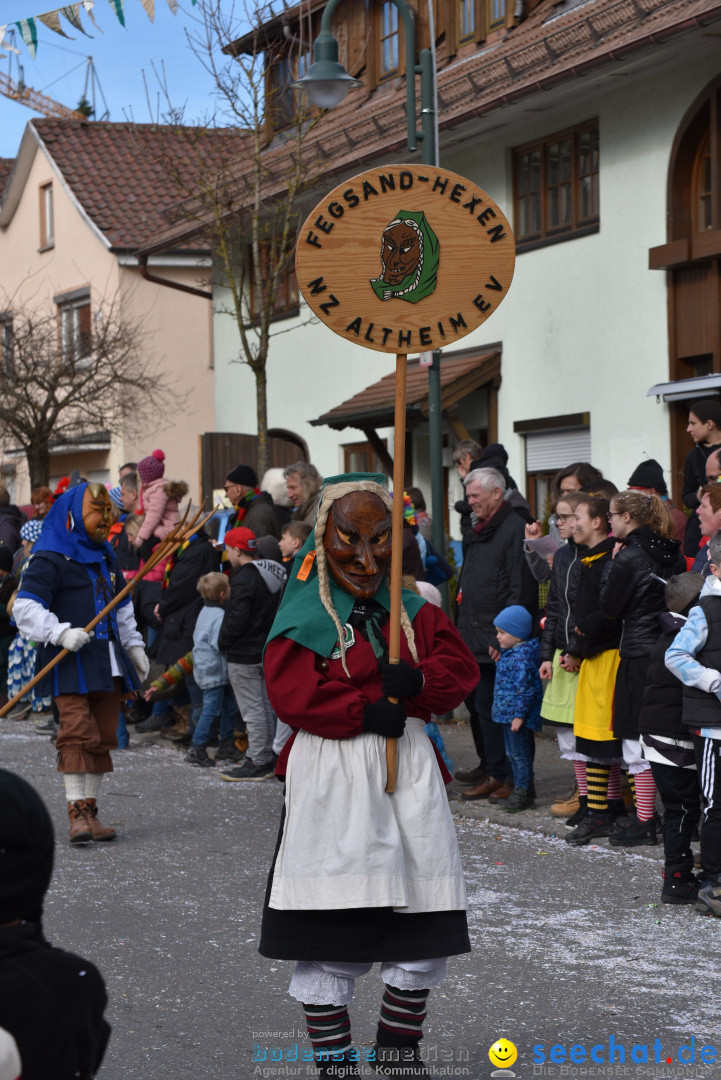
{"type": "Point", "coordinates": [357, 543]}
{"type": "Point", "coordinates": [97, 513]}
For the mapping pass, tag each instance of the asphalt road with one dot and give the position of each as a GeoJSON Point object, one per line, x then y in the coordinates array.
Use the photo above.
{"type": "Point", "coordinates": [571, 947]}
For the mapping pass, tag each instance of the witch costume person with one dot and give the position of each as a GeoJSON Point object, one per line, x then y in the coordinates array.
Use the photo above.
{"type": "Point", "coordinates": [360, 875]}
{"type": "Point", "coordinates": [70, 577]}
{"type": "Point", "coordinates": [51, 1001]}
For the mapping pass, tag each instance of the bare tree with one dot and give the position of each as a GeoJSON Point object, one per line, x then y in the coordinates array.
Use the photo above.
{"type": "Point", "coordinates": [62, 379]}
{"type": "Point", "coordinates": [247, 203]}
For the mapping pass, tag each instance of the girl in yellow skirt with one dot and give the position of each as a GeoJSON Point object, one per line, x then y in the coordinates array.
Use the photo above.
{"type": "Point", "coordinates": [594, 642]}
{"type": "Point", "coordinates": [560, 693]}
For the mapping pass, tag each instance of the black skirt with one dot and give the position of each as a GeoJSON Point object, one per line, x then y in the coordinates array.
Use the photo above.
{"type": "Point", "coordinates": [628, 696]}
{"type": "Point", "coordinates": [359, 935]}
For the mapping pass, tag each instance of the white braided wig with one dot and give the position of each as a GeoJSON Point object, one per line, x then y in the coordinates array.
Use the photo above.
{"type": "Point", "coordinates": [328, 496]}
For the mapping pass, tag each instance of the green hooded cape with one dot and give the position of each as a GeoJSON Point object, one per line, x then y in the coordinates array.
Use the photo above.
{"type": "Point", "coordinates": [422, 281]}
{"type": "Point", "coordinates": [301, 615]}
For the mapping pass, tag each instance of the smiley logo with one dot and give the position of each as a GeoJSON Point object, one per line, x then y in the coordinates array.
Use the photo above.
{"type": "Point", "coordinates": [503, 1053]}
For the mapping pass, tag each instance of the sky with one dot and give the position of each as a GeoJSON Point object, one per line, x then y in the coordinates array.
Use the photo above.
{"type": "Point", "coordinates": [120, 56]}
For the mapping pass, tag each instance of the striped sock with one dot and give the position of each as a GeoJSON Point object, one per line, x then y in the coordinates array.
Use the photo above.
{"type": "Point", "coordinates": [597, 787]}
{"type": "Point", "coordinates": [328, 1027]}
{"type": "Point", "coordinates": [402, 1016]}
{"type": "Point", "coordinates": [645, 789]}
{"type": "Point", "coordinates": [614, 781]}
{"type": "Point", "coordinates": [579, 767]}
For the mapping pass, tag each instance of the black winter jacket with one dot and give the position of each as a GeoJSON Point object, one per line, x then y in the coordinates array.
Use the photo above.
{"type": "Point", "coordinates": [255, 592]}
{"type": "Point", "coordinates": [663, 696]}
{"type": "Point", "coordinates": [494, 575]}
{"type": "Point", "coordinates": [181, 602]}
{"type": "Point", "coordinates": [559, 606]}
{"type": "Point", "coordinates": [55, 1017]}
{"type": "Point", "coordinates": [10, 524]}
{"type": "Point", "coordinates": [261, 518]}
{"type": "Point", "coordinates": [694, 477]}
{"type": "Point", "coordinates": [597, 632]}
{"type": "Point", "coordinates": [630, 592]}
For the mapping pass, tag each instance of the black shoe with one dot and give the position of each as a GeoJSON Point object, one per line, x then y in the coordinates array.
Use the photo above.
{"type": "Point", "coordinates": [471, 776]}
{"type": "Point", "coordinates": [152, 725]}
{"type": "Point", "coordinates": [248, 771]}
{"type": "Point", "coordinates": [630, 832]}
{"type": "Point", "coordinates": [575, 819]}
{"type": "Point", "coordinates": [228, 751]}
{"type": "Point", "coordinates": [405, 1062]}
{"type": "Point", "coordinates": [679, 886]}
{"type": "Point", "coordinates": [593, 825]}
{"type": "Point", "coordinates": [708, 901]}
{"type": "Point", "coordinates": [183, 740]}
{"type": "Point", "coordinates": [517, 801]}
{"type": "Point", "coordinates": [44, 729]}
{"type": "Point", "coordinates": [198, 755]}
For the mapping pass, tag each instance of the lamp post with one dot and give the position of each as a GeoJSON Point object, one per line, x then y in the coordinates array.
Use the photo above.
{"type": "Point", "coordinates": [326, 83]}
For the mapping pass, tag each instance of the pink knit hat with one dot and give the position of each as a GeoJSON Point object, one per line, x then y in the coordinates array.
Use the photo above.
{"type": "Point", "coordinates": [152, 467]}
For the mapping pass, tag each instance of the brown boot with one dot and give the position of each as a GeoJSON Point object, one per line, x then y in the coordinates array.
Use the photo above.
{"type": "Point", "coordinates": [483, 790]}
{"type": "Point", "coordinates": [80, 828]}
{"type": "Point", "coordinates": [501, 793]}
{"type": "Point", "coordinates": [98, 831]}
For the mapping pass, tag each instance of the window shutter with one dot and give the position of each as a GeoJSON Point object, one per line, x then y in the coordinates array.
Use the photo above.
{"type": "Point", "coordinates": [556, 449]}
{"type": "Point", "coordinates": [373, 47]}
{"type": "Point", "coordinates": [479, 33]}
{"type": "Point", "coordinates": [451, 22]}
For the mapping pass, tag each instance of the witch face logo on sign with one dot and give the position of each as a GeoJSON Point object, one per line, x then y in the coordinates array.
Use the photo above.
{"type": "Point", "coordinates": [410, 253]}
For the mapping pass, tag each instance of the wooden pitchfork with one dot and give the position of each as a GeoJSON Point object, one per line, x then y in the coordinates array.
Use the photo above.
{"type": "Point", "coordinates": [172, 543]}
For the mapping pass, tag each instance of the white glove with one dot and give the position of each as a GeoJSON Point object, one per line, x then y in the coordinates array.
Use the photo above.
{"type": "Point", "coordinates": [73, 639]}
{"type": "Point", "coordinates": [140, 661]}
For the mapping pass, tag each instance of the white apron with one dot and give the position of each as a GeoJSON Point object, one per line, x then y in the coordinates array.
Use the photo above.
{"type": "Point", "coordinates": [348, 844]}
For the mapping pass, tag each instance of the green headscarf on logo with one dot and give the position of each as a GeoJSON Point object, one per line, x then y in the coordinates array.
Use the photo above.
{"type": "Point", "coordinates": [422, 281]}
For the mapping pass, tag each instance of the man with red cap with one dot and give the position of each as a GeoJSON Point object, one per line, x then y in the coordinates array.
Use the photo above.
{"type": "Point", "coordinates": [256, 586]}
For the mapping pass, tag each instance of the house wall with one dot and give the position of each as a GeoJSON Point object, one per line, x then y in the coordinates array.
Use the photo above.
{"type": "Point", "coordinates": [584, 327]}
{"type": "Point", "coordinates": [177, 328]}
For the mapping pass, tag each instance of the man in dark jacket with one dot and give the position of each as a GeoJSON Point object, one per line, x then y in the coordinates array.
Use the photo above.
{"type": "Point", "coordinates": [55, 1017]}
{"type": "Point", "coordinates": [10, 522]}
{"type": "Point", "coordinates": [495, 575]}
{"type": "Point", "coordinates": [255, 590]}
{"type": "Point", "coordinates": [253, 508]}
{"type": "Point", "coordinates": [177, 612]}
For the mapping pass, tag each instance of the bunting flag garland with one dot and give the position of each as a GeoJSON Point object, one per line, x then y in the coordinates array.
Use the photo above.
{"type": "Point", "coordinates": [51, 19]}
{"type": "Point", "coordinates": [29, 34]}
{"type": "Point", "coordinates": [117, 5]}
{"type": "Point", "coordinates": [71, 12]}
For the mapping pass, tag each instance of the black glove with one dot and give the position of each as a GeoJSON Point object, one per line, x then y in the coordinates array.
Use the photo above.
{"type": "Point", "coordinates": [384, 718]}
{"type": "Point", "coordinates": [401, 680]}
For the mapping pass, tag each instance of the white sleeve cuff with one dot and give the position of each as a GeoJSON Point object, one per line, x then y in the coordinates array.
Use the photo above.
{"type": "Point", "coordinates": [36, 623]}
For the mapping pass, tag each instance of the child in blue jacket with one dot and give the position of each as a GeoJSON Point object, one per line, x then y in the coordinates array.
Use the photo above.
{"type": "Point", "coordinates": [517, 701]}
{"type": "Point", "coordinates": [210, 671]}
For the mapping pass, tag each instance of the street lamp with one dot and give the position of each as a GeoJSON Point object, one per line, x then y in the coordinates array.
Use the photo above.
{"type": "Point", "coordinates": [326, 83]}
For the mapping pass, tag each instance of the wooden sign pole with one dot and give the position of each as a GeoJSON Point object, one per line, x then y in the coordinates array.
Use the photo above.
{"type": "Point", "coordinates": [399, 466]}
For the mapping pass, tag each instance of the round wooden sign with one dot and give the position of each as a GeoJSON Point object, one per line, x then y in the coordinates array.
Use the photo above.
{"type": "Point", "coordinates": [405, 258]}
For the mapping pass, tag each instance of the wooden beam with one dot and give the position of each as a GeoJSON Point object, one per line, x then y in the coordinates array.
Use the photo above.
{"type": "Point", "coordinates": [380, 448]}
{"type": "Point", "coordinates": [457, 426]}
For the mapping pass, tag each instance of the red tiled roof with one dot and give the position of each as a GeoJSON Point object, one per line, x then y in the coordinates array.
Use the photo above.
{"type": "Point", "coordinates": [375, 406]}
{"type": "Point", "coordinates": [132, 179]}
{"type": "Point", "coordinates": [6, 167]}
{"type": "Point", "coordinates": [556, 43]}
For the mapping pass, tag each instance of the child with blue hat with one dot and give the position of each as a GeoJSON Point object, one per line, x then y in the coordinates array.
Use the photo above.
{"type": "Point", "coordinates": [517, 698]}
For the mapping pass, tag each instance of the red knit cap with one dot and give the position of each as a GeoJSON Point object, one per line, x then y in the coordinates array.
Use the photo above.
{"type": "Point", "coordinates": [152, 468]}
{"type": "Point", "coordinates": [241, 538]}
